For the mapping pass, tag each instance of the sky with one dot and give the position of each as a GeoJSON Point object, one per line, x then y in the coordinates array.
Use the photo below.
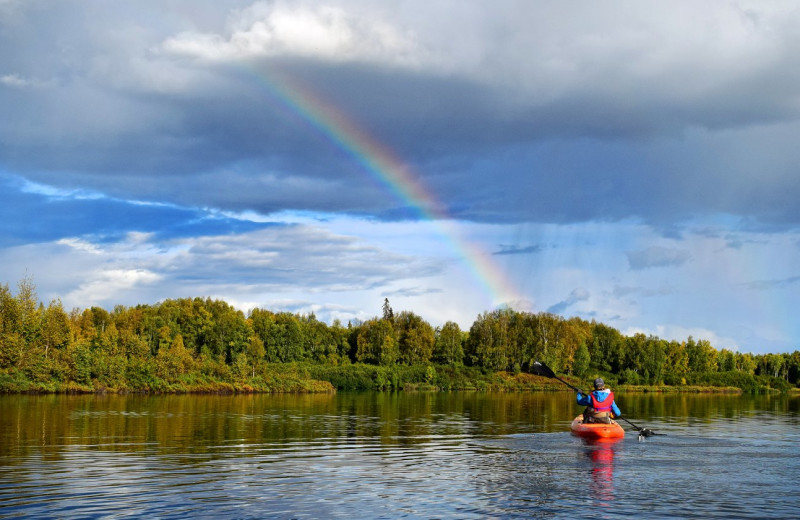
{"type": "Point", "coordinates": [628, 162]}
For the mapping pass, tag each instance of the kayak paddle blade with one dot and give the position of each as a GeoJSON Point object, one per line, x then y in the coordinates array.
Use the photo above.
{"type": "Point", "coordinates": [543, 370]}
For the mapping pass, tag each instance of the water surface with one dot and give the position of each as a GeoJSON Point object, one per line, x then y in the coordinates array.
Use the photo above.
{"type": "Point", "coordinates": [406, 455]}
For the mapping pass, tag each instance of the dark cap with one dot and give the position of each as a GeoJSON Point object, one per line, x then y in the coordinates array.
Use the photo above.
{"type": "Point", "coordinates": [599, 383]}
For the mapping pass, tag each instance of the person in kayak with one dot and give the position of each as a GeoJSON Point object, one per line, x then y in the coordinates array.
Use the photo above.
{"type": "Point", "coordinates": [599, 404]}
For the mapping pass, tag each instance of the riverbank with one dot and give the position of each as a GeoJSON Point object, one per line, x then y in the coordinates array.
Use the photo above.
{"type": "Point", "coordinates": [320, 378]}
{"type": "Point", "coordinates": [685, 389]}
{"type": "Point", "coordinates": [278, 381]}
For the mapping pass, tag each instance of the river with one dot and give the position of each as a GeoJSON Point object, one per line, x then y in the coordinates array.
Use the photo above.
{"type": "Point", "coordinates": [400, 455]}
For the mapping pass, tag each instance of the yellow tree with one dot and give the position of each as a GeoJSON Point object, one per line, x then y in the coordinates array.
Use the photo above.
{"type": "Point", "coordinates": [12, 343]}
{"type": "Point", "coordinates": [20, 327]}
{"type": "Point", "coordinates": [55, 327]}
{"type": "Point", "coordinates": [255, 353]}
{"type": "Point", "coordinates": [173, 359]}
{"type": "Point", "coordinates": [677, 360]}
{"type": "Point", "coordinates": [577, 332]}
{"type": "Point", "coordinates": [29, 310]}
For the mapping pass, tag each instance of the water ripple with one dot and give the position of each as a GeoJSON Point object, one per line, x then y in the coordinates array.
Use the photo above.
{"type": "Point", "coordinates": [301, 463]}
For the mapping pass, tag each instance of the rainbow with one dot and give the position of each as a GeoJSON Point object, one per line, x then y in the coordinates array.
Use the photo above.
{"type": "Point", "coordinates": [389, 170]}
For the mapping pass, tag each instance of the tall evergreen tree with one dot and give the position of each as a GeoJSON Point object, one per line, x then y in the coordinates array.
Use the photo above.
{"type": "Point", "coordinates": [388, 313]}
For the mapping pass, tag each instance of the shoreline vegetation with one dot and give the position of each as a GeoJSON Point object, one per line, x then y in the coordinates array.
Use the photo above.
{"type": "Point", "coordinates": [200, 345]}
{"type": "Point", "coordinates": [294, 378]}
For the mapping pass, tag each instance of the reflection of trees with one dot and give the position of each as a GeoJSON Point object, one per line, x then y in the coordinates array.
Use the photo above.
{"type": "Point", "coordinates": [698, 407]}
{"type": "Point", "coordinates": [199, 424]}
{"type": "Point", "coordinates": [208, 424]}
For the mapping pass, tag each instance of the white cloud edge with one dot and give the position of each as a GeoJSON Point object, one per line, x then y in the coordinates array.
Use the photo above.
{"type": "Point", "coordinates": [322, 32]}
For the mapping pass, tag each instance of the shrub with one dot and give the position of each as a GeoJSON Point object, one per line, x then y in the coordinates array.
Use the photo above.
{"type": "Point", "coordinates": [629, 377]}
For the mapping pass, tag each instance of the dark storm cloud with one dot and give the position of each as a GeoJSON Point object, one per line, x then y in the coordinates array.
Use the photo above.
{"type": "Point", "coordinates": [519, 113]}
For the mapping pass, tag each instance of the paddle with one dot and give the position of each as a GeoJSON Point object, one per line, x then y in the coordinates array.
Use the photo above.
{"type": "Point", "coordinates": [543, 370]}
{"type": "Point", "coordinates": [643, 432]}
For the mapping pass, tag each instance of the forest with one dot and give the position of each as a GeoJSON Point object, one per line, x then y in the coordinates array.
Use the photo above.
{"type": "Point", "coordinates": [205, 345]}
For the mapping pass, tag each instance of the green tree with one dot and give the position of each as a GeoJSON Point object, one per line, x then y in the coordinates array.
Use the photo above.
{"type": "Point", "coordinates": [522, 340]}
{"type": "Point", "coordinates": [448, 348]}
{"type": "Point", "coordinates": [548, 336]}
{"type": "Point", "coordinates": [289, 338]}
{"type": "Point", "coordinates": [793, 367]}
{"type": "Point", "coordinates": [606, 348]}
{"type": "Point", "coordinates": [655, 360]}
{"type": "Point", "coordinates": [415, 338]}
{"type": "Point", "coordinates": [81, 363]}
{"type": "Point", "coordinates": [582, 361]}
{"type": "Point", "coordinates": [726, 360]}
{"type": "Point", "coordinates": [702, 356]}
{"type": "Point", "coordinates": [746, 363]}
{"type": "Point", "coordinates": [772, 365]}
{"type": "Point", "coordinates": [192, 319]}
{"type": "Point", "coordinates": [108, 360]}
{"type": "Point", "coordinates": [377, 344]}
{"type": "Point", "coordinates": [635, 352]}
{"type": "Point", "coordinates": [228, 332]}
{"type": "Point", "coordinates": [576, 332]}
{"type": "Point", "coordinates": [487, 344]}
{"type": "Point", "coordinates": [676, 362]}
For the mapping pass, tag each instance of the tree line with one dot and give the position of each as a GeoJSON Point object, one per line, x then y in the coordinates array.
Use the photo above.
{"type": "Point", "coordinates": [200, 339]}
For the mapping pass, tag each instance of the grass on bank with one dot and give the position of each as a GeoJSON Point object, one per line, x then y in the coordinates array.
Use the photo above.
{"type": "Point", "coordinates": [319, 378]}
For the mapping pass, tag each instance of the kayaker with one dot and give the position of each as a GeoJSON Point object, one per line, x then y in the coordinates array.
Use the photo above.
{"type": "Point", "coordinates": [599, 404]}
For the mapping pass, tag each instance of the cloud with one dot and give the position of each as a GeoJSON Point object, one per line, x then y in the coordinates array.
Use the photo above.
{"type": "Point", "coordinates": [506, 249]}
{"type": "Point", "coordinates": [679, 333]}
{"type": "Point", "coordinates": [582, 114]}
{"type": "Point", "coordinates": [765, 285]}
{"type": "Point", "coordinates": [324, 32]}
{"type": "Point", "coordinates": [99, 285]}
{"type": "Point", "coordinates": [577, 295]}
{"type": "Point", "coordinates": [657, 256]}
{"type": "Point", "coordinates": [323, 312]}
{"type": "Point", "coordinates": [622, 291]}
{"type": "Point", "coordinates": [14, 80]}
{"type": "Point", "coordinates": [520, 304]}
{"type": "Point", "coordinates": [172, 138]}
{"type": "Point", "coordinates": [247, 267]}
{"type": "Point", "coordinates": [53, 193]}
{"type": "Point", "coordinates": [406, 292]}
{"type": "Point", "coordinates": [276, 258]}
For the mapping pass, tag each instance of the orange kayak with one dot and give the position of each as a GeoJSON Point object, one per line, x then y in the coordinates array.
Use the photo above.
{"type": "Point", "coordinates": [596, 430]}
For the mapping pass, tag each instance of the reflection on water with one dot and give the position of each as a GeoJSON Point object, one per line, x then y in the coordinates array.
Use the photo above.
{"type": "Point", "coordinates": [601, 455]}
{"type": "Point", "coordinates": [418, 455]}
